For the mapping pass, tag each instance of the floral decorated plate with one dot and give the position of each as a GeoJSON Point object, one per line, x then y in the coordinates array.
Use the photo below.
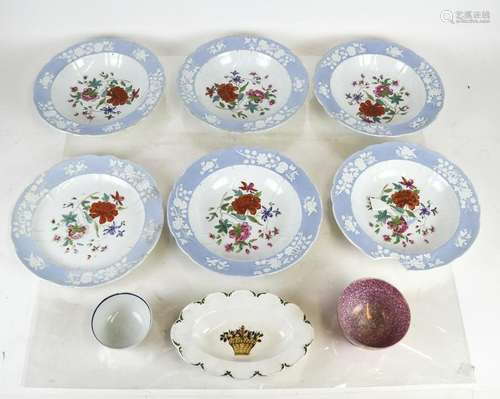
{"type": "Point", "coordinates": [378, 88]}
{"type": "Point", "coordinates": [242, 334]}
{"type": "Point", "coordinates": [244, 211]}
{"type": "Point", "coordinates": [87, 221]}
{"type": "Point", "coordinates": [243, 83]}
{"type": "Point", "coordinates": [402, 200]}
{"type": "Point", "coordinates": [99, 86]}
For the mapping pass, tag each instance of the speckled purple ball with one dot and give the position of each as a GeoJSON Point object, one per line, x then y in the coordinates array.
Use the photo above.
{"type": "Point", "coordinates": [373, 313]}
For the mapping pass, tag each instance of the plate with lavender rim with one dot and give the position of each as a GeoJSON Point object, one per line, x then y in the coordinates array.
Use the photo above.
{"type": "Point", "coordinates": [99, 86]}
{"type": "Point", "coordinates": [87, 221]}
{"type": "Point", "coordinates": [244, 211]}
{"type": "Point", "coordinates": [220, 336]}
{"type": "Point", "coordinates": [243, 83]}
{"type": "Point", "coordinates": [402, 200]}
{"type": "Point", "coordinates": [378, 88]}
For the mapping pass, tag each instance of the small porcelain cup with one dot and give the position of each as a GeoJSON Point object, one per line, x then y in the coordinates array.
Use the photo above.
{"type": "Point", "coordinates": [121, 320]}
{"type": "Point", "coordinates": [373, 314]}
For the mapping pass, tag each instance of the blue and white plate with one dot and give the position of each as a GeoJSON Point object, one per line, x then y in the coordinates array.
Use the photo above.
{"type": "Point", "coordinates": [244, 211]}
{"type": "Point", "coordinates": [99, 86]}
{"type": "Point", "coordinates": [378, 88]}
{"type": "Point", "coordinates": [87, 221]}
{"type": "Point", "coordinates": [243, 83]}
{"type": "Point", "coordinates": [405, 201]}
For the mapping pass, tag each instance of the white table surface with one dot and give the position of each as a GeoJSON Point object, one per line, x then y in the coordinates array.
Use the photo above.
{"type": "Point", "coordinates": [466, 56]}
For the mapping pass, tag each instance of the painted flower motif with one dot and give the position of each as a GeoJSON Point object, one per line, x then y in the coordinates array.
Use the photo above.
{"type": "Point", "coordinates": [408, 183]}
{"type": "Point", "coordinates": [378, 99]}
{"type": "Point", "coordinates": [117, 96]}
{"type": "Point", "coordinates": [76, 232]}
{"type": "Point", "coordinates": [248, 187]}
{"type": "Point", "coordinates": [105, 211]}
{"type": "Point", "coordinates": [247, 202]}
{"type": "Point", "coordinates": [242, 223]}
{"type": "Point", "coordinates": [399, 214]}
{"type": "Point", "coordinates": [243, 95]}
{"type": "Point", "coordinates": [227, 92]}
{"type": "Point", "coordinates": [370, 109]}
{"type": "Point", "coordinates": [210, 91]}
{"type": "Point", "coordinates": [240, 232]}
{"type": "Point", "coordinates": [256, 95]}
{"type": "Point", "coordinates": [398, 224]}
{"type": "Point", "coordinates": [135, 94]}
{"type": "Point", "coordinates": [383, 91]}
{"type": "Point", "coordinates": [89, 94]}
{"type": "Point", "coordinates": [118, 198]}
{"type": "Point", "coordinates": [114, 229]}
{"type": "Point", "coordinates": [406, 198]}
{"type": "Point", "coordinates": [101, 95]}
{"type": "Point", "coordinates": [269, 212]}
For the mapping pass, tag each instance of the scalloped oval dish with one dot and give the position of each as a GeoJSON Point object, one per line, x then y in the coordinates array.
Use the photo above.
{"type": "Point", "coordinates": [243, 83]}
{"type": "Point", "coordinates": [244, 212]}
{"type": "Point", "coordinates": [87, 221]}
{"type": "Point", "coordinates": [99, 87]}
{"type": "Point", "coordinates": [242, 334]}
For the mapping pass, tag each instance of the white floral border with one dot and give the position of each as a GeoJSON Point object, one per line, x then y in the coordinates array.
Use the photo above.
{"type": "Point", "coordinates": [351, 170]}
{"type": "Point", "coordinates": [271, 161]}
{"type": "Point", "coordinates": [289, 255]}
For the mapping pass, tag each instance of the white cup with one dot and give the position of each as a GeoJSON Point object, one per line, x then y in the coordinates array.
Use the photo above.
{"type": "Point", "coordinates": [121, 320]}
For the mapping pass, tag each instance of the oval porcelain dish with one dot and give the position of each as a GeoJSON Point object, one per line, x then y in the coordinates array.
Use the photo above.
{"type": "Point", "coordinates": [87, 221]}
{"type": "Point", "coordinates": [243, 83]}
{"type": "Point", "coordinates": [244, 211]}
{"type": "Point", "coordinates": [242, 334]}
{"type": "Point", "coordinates": [402, 200]}
{"type": "Point", "coordinates": [99, 86]}
{"type": "Point", "coordinates": [378, 88]}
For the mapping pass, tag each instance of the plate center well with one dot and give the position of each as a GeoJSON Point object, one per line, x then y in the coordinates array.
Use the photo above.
{"type": "Point", "coordinates": [100, 88]}
{"type": "Point", "coordinates": [245, 212]}
{"type": "Point", "coordinates": [405, 206]}
{"type": "Point", "coordinates": [243, 85]}
{"type": "Point", "coordinates": [378, 89]}
{"type": "Point", "coordinates": [88, 221]}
